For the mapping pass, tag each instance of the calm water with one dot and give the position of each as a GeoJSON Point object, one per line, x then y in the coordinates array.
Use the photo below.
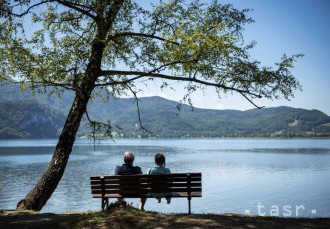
{"type": "Point", "coordinates": [285, 177]}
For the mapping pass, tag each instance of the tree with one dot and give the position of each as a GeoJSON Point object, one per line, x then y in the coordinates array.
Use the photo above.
{"type": "Point", "coordinates": [81, 45]}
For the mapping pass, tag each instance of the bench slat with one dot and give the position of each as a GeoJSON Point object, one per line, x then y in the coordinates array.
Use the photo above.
{"type": "Point", "coordinates": [145, 185]}
{"type": "Point", "coordinates": [147, 176]}
{"type": "Point", "coordinates": [153, 180]}
{"type": "Point", "coordinates": [152, 176]}
{"type": "Point", "coordinates": [174, 195]}
{"type": "Point", "coordinates": [144, 191]}
{"type": "Point", "coordinates": [135, 181]}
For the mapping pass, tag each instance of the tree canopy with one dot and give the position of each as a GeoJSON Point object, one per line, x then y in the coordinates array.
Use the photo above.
{"type": "Point", "coordinates": [116, 45]}
{"type": "Point", "coordinates": [200, 44]}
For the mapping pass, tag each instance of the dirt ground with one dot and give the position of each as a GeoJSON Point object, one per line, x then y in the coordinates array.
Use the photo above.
{"type": "Point", "coordinates": [128, 217]}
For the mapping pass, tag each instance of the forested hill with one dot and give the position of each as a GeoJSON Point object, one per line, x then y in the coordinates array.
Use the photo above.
{"type": "Point", "coordinates": [29, 119]}
{"type": "Point", "coordinates": [24, 116]}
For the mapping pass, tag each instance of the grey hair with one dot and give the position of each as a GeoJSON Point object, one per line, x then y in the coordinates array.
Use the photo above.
{"type": "Point", "coordinates": [129, 157]}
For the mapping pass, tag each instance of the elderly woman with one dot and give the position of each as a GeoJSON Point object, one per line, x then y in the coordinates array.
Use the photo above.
{"type": "Point", "coordinates": [160, 169]}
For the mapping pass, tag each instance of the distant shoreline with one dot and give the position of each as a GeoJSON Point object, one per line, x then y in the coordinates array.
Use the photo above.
{"type": "Point", "coordinates": [193, 137]}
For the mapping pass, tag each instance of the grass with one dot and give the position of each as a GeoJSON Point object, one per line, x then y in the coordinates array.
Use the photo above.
{"type": "Point", "coordinates": [129, 217]}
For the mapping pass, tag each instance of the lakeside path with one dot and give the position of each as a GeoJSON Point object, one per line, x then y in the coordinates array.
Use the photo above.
{"type": "Point", "coordinates": [128, 217]}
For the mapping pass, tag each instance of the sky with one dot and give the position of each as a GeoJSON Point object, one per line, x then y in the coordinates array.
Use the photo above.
{"type": "Point", "coordinates": [281, 27]}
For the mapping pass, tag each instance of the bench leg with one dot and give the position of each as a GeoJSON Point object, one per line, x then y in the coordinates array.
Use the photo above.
{"type": "Point", "coordinates": [105, 203]}
{"type": "Point", "coordinates": [189, 205]}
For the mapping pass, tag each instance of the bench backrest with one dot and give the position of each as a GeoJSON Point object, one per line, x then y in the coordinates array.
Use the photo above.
{"type": "Point", "coordinates": [139, 185]}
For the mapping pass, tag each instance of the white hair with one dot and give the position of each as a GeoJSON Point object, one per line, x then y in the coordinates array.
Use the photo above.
{"type": "Point", "coordinates": [129, 157]}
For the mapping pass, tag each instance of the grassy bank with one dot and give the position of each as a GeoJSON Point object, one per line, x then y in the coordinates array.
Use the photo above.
{"type": "Point", "coordinates": [128, 217]}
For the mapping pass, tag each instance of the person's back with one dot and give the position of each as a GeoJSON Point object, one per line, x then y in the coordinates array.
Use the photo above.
{"type": "Point", "coordinates": [160, 169]}
{"type": "Point", "coordinates": [128, 169]}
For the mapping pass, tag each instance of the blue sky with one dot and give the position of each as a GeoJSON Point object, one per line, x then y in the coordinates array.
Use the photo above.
{"type": "Point", "coordinates": [281, 27]}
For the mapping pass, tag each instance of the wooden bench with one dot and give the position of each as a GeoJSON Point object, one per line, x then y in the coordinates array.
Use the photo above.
{"type": "Point", "coordinates": [136, 186]}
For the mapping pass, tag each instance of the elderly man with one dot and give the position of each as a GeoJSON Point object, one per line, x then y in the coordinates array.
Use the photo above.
{"type": "Point", "coordinates": [128, 169]}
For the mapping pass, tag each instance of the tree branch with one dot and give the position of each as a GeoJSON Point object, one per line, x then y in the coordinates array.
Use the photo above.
{"type": "Point", "coordinates": [41, 83]}
{"type": "Point", "coordinates": [92, 123]}
{"type": "Point", "coordinates": [138, 109]}
{"type": "Point", "coordinates": [97, 127]}
{"type": "Point", "coordinates": [77, 7]}
{"type": "Point", "coordinates": [251, 101]}
{"type": "Point", "coordinates": [27, 10]}
{"type": "Point", "coordinates": [125, 34]}
{"type": "Point", "coordinates": [168, 77]}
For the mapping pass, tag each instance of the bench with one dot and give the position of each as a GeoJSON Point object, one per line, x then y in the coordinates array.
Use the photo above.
{"type": "Point", "coordinates": [186, 185]}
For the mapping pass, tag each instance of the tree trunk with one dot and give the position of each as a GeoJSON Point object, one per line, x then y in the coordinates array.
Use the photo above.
{"type": "Point", "coordinates": [45, 187]}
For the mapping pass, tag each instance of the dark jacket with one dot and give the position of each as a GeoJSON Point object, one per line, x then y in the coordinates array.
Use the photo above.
{"type": "Point", "coordinates": [127, 170]}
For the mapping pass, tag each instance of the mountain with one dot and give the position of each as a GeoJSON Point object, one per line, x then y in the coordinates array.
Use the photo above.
{"type": "Point", "coordinates": [161, 117]}
{"type": "Point", "coordinates": [29, 119]}
{"type": "Point", "coordinates": [41, 116]}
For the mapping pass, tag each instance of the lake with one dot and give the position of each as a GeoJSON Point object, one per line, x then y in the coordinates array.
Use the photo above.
{"type": "Point", "coordinates": [280, 177]}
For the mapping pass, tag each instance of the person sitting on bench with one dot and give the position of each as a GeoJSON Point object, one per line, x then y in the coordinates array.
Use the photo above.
{"type": "Point", "coordinates": [160, 169]}
{"type": "Point", "coordinates": [128, 169]}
